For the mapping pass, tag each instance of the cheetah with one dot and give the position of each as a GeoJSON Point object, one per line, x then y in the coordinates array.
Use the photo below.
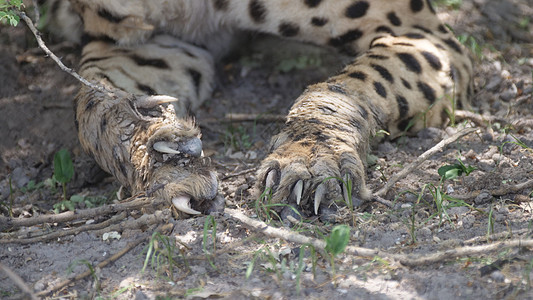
{"type": "Point", "coordinates": [156, 58]}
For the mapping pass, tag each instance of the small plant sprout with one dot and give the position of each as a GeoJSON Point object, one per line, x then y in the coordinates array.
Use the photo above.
{"type": "Point", "coordinates": [449, 172]}
{"type": "Point", "coordinates": [210, 222]}
{"type": "Point", "coordinates": [63, 169]}
{"type": "Point", "coordinates": [160, 254]}
{"type": "Point", "coordinates": [336, 243]}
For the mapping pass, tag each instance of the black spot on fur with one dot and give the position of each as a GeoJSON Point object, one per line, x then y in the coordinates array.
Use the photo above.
{"type": "Point", "coordinates": [383, 72]}
{"type": "Point", "coordinates": [288, 29]}
{"type": "Point", "coordinates": [90, 104]}
{"type": "Point", "coordinates": [406, 84]}
{"type": "Point", "coordinates": [429, 92]}
{"type": "Point", "coordinates": [385, 29]}
{"type": "Point", "coordinates": [358, 75]}
{"type": "Point", "coordinates": [314, 121]}
{"type": "Point", "coordinates": [349, 36]}
{"type": "Point", "coordinates": [103, 125]}
{"type": "Point", "coordinates": [91, 60]}
{"type": "Point", "coordinates": [221, 4]}
{"type": "Point", "coordinates": [105, 14]}
{"type": "Point", "coordinates": [363, 112]}
{"type": "Point", "coordinates": [55, 7]}
{"type": "Point", "coordinates": [87, 38]}
{"type": "Point", "coordinates": [336, 89]}
{"type": "Point", "coordinates": [380, 89]}
{"type": "Point", "coordinates": [257, 11]}
{"type": "Point", "coordinates": [415, 36]}
{"type": "Point", "coordinates": [196, 78]}
{"type": "Point", "coordinates": [405, 124]}
{"type": "Point", "coordinates": [393, 19]}
{"type": "Point", "coordinates": [378, 56]}
{"type": "Point", "coordinates": [469, 92]}
{"type": "Point", "coordinates": [410, 62]}
{"type": "Point", "coordinates": [312, 3]}
{"type": "Point", "coordinates": [439, 46]}
{"type": "Point", "coordinates": [424, 29]}
{"type": "Point", "coordinates": [319, 22]}
{"type": "Point", "coordinates": [357, 10]}
{"type": "Point", "coordinates": [452, 44]}
{"type": "Point", "coordinates": [417, 5]}
{"type": "Point", "coordinates": [327, 109]}
{"type": "Point", "coordinates": [152, 62]}
{"type": "Point", "coordinates": [403, 44]}
{"type": "Point", "coordinates": [146, 89]}
{"type": "Point", "coordinates": [320, 136]}
{"type": "Point", "coordinates": [433, 60]}
{"type": "Point", "coordinates": [430, 6]}
{"type": "Point", "coordinates": [403, 106]}
{"type": "Point", "coordinates": [355, 123]}
{"type": "Point", "coordinates": [443, 29]}
{"type": "Point", "coordinates": [379, 45]}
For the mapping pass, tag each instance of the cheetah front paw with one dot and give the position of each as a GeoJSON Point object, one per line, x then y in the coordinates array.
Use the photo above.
{"type": "Point", "coordinates": [148, 149]}
{"type": "Point", "coordinates": [312, 174]}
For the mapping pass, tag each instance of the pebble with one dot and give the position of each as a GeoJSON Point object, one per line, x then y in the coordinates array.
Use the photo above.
{"type": "Point", "coordinates": [483, 197]}
{"type": "Point", "coordinates": [494, 82]}
{"type": "Point", "coordinates": [19, 177]}
{"type": "Point", "coordinates": [509, 94]}
{"type": "Point", "coordinates": [431, 133]}
{"type": "Point", "coordinates": [497, 276]}
{"type": "Point", "coordinates": [468, 221]}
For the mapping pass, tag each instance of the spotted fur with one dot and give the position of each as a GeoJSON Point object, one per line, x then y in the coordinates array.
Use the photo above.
{"type": "Point", "coordinates": [406, 64]}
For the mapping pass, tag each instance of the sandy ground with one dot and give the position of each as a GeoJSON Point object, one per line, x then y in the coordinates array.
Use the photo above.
{"type": "Point", "coordinates": [36, 120]}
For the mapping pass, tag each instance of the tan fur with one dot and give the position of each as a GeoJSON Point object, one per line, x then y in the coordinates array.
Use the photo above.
{"type": "Point", "coordinates": [409, 70]}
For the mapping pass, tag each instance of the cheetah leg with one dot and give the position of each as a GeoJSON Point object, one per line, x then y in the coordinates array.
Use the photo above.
{"type": "Point", "coordinates": [146, 141]}
{"type": "Point", "coordinates": [406, 78]}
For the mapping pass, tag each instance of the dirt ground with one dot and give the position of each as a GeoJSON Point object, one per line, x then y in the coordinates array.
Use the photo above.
{"type": "Point", "coordinates": [36, 121]}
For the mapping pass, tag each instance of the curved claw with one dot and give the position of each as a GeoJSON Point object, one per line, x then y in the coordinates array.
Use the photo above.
{"type": "Point", "coordinates": [152, 101]}
{"type": "Point", "coordinates": [297, 191]}
{"type": "Point", "coordinates": [270, 180]}
{"type": "Point", "coordinates": [182, 203]}
{"type": "Point", "coordinates": [319, 195]}
{"type": "Point", "coordinates": [164, 147]}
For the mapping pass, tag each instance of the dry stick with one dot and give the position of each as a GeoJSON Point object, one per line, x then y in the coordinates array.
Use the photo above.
{"type": "Point", "coordinates": [18, 281]}
{"type": "Point", "coordinates": [439, 147]}
{"type": "Point", "coordinates": [506, 190]}
{"type": "Point", "coordinates": [495, 236]}
{"type": "Point", "coordinates": [239, 173]}
{"type": "Point", "coordinates": [478, 119]}
{"type": "Point", "coordinates": [6, 222]}
{"type": "Point", "coordinates": [56, 59]}
{"type": "Point", "coordinates": [420, 260]}
{"type": "Point", "coordinates": [72, 231]}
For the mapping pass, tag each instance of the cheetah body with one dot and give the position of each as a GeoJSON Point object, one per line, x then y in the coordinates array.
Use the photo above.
{"type": "Point", "coordinates": [407, 64]}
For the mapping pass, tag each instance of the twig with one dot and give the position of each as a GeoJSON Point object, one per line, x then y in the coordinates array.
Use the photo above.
{"type": "Point", "coordinates": [56, 59]}
{"type": "Point", "coordinates": [8, 223]}
{"type": "Point", "coordinates": [73, 231]}
{"type": "Point", "coordinates": [239, 173]}
{"type": "Point", "coordinates": [406, 260]}
{"type": "Point", "coordinates": [18, 282]}
{"type": "Point", "coordinates": [478, 119]}
{"type": "Point", "coordinates": [506, 190]}
{"type": "Point", "coordinates": [409, 168]}
{"type": "Point", "coordinates": [383, 201]}
{"type": "Point", "coordinates": [495, 236]}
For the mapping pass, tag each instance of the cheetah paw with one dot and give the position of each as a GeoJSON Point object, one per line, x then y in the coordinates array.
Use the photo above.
{"type": "Point", "coordinates": [312, 176]}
